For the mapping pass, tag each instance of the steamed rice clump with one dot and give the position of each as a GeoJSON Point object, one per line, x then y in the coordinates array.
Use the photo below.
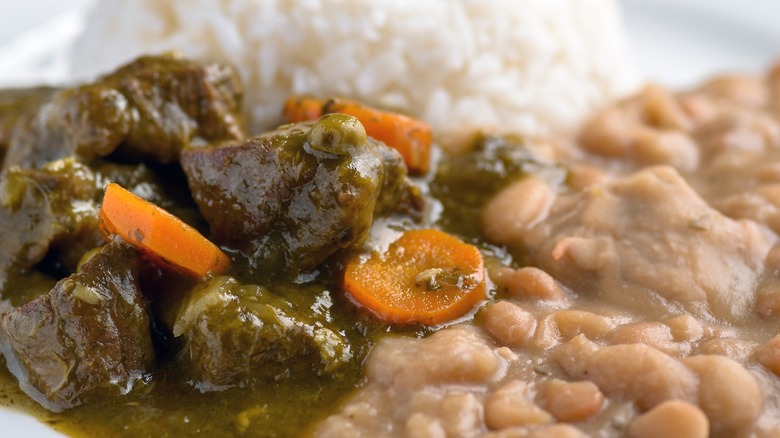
{"type": "Point", "coordinates": [530, 66]}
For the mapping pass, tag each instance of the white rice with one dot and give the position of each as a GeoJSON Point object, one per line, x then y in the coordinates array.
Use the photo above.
{"type": "Point", "coordinates": [530, 66]}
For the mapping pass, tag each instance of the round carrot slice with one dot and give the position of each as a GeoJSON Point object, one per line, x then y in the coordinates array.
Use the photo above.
{"type": "Point", "coordinates": [426, 276]}
{"type": "Point", "coordinates": [158, 233]}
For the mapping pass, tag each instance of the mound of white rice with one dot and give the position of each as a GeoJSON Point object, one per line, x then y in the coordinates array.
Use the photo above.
{"type": "Point", "coordinates": [530, 66]}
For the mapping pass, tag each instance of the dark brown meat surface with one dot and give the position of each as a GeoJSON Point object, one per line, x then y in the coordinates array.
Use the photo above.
{"type": "Point", "coordinates": [15, 104]}
{"type": "Point", "coordinates": [54, 205]}
{"type": "Point", "coordinates": [242, 335]}
{"type": "Point", "coordinates": [149, 109]}
{"type": "Point", "coordinates": [88, 338]}
{"type": "Point", "coordinates": [294, 196]}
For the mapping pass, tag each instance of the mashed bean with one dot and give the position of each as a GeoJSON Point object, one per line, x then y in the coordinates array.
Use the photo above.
{"type": "Point", "coordinates": [608, 241]}
{"type": "Point", "coordinates": [629, 371]}
{"type": "Point", "coordinates": [516, 210]}
{"type": "Point", "coordinates": [553, 431]}
{"type": "Point", "coordinates": [571, 402]}
{"type": "Point", "coordinates": [571, 323]}
{"type": "Point", "coordinates": [768, 355]}
{"type": "Point", "coordinates": [419, 387]}
{"type": "Point", "coordinates": [672, 418]}
{"type": "Point", "coordinates": [529, 283]}
{"type": "Point", "coordinates": [509, 324]}
{"type": "Point", "coordinates": [511, 406]}
{"type": "Point", "coordinates": [455, 356]}
{"type": "Point", "coordinates": [728, 393]}
{"type": "Point", "coordinates": [653, 334]}
{"type": "Point", "coordinates": [685, 328]}
{"type": "Point", "coordinates": [648, 304]}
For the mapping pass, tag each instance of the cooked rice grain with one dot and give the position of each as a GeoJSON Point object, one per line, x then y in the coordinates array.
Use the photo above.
{"type": "Point", "coordinates": [530, 66]}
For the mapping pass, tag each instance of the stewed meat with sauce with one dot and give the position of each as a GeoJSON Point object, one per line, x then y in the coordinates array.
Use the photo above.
{"type": "Point", "coordinates": [88, 338]}
{"type": "Point", "coordinates": [634, 271]}
{"type": "Point", "coordinates": [294, 196]}
{"type": "Point", "coordinates": [149, 109]}
{"type": "Point", "coordinates": [121, 321]}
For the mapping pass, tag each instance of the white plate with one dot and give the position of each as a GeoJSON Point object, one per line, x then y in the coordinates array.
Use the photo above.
{"type": "Point", "coordinates": [675, 43]}
{"type": "Point", "coordinates": [679, 43]}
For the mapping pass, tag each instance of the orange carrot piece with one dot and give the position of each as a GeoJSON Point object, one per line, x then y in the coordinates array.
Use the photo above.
{"type": "Point", "coordinates": [302, 109]}
{"type": "Point", "coordinates": [411, 137]}
{"type": "Point", "coordinates": [426, 276]}
{"type": "Point", "coordinates": [158, 233]}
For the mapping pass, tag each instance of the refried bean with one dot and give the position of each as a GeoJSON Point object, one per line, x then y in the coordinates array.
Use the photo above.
{"type": "Point", "coordinates": [645, 302]}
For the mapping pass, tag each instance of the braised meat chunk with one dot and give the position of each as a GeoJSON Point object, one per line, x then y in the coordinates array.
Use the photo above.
{"type": "Point", "coordinates": [240, 334]}
{"type": "Point", "coordinates": [17, 104]}
{"type": "Point", "coordinates": [88, 338]}
{"type": "Point", "coordinates": [149, 109]}
{"type": "Point", "coordinates": [96, 316]}
{"type": "Point", "coordinates": [54, 205]}
{"type": "Point", "coordinates": [52, 212]}
{"type": "Point", "coordinates": [294, 196]}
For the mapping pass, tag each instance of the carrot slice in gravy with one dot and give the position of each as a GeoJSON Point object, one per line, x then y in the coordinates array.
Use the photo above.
{"type": "Point", "coordinates": [409, 136]}
{"type": "Point", "coordinates": [158, 233]}
{"type": "Point", "coordinates": [426, 276]}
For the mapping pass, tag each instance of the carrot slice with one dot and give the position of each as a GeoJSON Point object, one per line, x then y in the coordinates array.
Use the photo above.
{"type": "Point", "coordinates": [426, 276]}
{"type": "Point", "coordinates": [302, 109]}
{"type": "Point", "coordinates": [158, 233]}
{"type": "Point", "coordinates": [411, 137]}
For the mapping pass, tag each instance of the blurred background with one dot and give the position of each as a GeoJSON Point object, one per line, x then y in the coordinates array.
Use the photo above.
{"type": "Point", "coordinates": [17, 17]}
{"type": "Point", "coordinates": [680, 42]}
{"type": "Point", "coordinates": [677, 42]}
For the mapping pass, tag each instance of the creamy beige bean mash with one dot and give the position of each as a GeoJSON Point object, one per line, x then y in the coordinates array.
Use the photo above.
{"type": "Point", "coordinates": [646, 303]}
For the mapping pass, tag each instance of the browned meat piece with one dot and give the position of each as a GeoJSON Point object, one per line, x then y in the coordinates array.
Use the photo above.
{"type": "Point", "coordinates": [148, 109]}
{"type": "Point", "coordinates": [56, 204]}
{"type": "Point", "coordinates": [297, 195]}
{"type": "Point", "coordinates": [88, 338]}
{"type": "Point", "coordinates": [52, 212]}
{"type": "Point", "coordinates": [17, 103]}
{"type": "Point", "coordinates": [241, 335]}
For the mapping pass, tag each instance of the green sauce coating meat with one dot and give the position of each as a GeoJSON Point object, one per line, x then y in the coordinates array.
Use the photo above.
{"type": "Point", "coordinates": [52, 206]}
{"type": "Point", "coordinates": [88, 338]}
{"type": "Point", "coordinates": [241, 353]}
{"type": "Point", "coordinates": [237, 335]}
{"type": "Point", "coordinates": [51, 212]}
{"type": "Point", "coordinates": [17, 104]}
{"type": "Point", "coordinates": [149, 109]}
{"type": "Point", "coordinates": [292, 197]}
